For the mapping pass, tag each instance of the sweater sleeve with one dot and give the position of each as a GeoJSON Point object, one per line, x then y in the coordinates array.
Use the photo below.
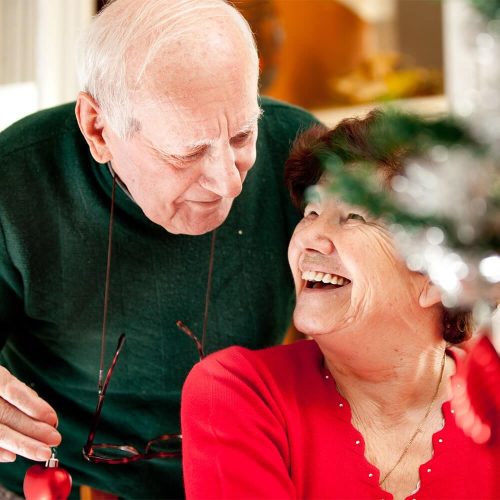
{"type": "Point", "coordinates": [10, 300]}
{"type": "Point", "coordinates": [234, 436]}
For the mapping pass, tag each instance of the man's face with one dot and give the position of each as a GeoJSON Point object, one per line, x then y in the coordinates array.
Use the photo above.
{"type": "Point", "coordinates": [196, 143]}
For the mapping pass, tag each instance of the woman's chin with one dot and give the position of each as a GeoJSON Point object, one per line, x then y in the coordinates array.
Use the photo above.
{"type": "Point", "coordinates": [310, 326]}
{"type": "Point", "coordinates": [313, 325]}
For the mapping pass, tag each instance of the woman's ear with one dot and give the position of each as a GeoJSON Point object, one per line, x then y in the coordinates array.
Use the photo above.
{"type": "Point", "coordinates": [430, 294]}
{"type": "Point", "coordinates": [92, 124]}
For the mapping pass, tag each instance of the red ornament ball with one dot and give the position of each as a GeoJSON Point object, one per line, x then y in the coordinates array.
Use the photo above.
{"type": "Point", "coordinates": [46, 483]}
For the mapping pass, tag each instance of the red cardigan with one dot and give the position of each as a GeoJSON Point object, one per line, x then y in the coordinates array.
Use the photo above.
{"type": "Point", "coordinates": [270, 424]}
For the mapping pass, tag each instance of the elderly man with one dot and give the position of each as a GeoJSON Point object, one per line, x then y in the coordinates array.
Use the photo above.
{"type": "Point", "coordinates": [121, 239]}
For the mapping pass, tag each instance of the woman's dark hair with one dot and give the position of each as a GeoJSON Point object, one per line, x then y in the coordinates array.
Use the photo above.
{"type": "Point", "coordinates": [350, 141]}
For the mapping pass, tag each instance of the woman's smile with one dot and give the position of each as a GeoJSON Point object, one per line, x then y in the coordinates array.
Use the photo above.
{"type": "Point", "coordinates": [316, 280]}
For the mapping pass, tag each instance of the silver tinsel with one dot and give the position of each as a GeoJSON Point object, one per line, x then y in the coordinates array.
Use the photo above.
{"type": "Point", "coordinates": [455, 183]}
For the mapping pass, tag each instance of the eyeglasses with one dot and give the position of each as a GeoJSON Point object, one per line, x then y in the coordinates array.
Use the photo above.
{"type": "Point", "coordinates": [166, 445]}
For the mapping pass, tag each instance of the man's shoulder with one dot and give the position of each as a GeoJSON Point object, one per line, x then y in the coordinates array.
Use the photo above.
{"type": "Point", "coordinates": [279, 126]}
{"type": "Point", "coordinates": [38, 128]}
{"type": "Point", "coordinates": [285, 114]}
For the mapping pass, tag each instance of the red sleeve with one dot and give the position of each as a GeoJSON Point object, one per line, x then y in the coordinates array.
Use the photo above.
{"type": "Point", "coordinates": [234, 436]}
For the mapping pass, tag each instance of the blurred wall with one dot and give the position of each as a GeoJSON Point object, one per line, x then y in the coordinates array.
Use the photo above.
{"type": "Point", "coordinates": [17, 41]}
{"type": "Point", "coordinates": [418, 26]}
{"type": "Point", "coordinates": [305, 45]}
{"type": "Point", "coordinates": [324, 53]}
{"type": "Point", "coordinates": [38, 53]}
{"type": "Point", "coordinates": [322, 39]}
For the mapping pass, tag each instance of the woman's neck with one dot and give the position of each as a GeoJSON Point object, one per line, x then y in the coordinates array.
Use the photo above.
{"type": "Point", "coordinates": [385, 380]}
{"type": "Point", "coordinates": [395, 380]}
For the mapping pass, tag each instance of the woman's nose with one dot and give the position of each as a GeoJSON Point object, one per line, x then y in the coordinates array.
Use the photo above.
{"type": "Point", "coordinates": [318, 236]}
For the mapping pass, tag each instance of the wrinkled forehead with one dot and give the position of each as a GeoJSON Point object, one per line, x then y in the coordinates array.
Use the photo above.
{"type": "Point", "coordinates": [379, 178]}
{"type": "Point", "coordinates": [321, 192]}
{"type": "Point", "coordinates": [192, 123]}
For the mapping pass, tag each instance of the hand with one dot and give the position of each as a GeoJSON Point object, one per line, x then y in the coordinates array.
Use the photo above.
{"type": "Point", "coordinates": [27, 422]}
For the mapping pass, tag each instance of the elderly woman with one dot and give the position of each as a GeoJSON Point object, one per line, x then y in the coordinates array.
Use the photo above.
{"type": "Point", "coordinates": [363, 410]}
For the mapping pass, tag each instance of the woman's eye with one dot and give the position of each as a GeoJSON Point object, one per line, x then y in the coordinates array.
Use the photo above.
{"type": "Point", "coordinates": [353, 216]}
{"type": "Point", "coordinates": [310, 214]}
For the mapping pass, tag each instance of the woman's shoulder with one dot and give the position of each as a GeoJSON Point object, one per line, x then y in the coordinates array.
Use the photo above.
{"type": "Point", "coordinates": [276, 356]}
{"type": "Point", "coordinates": [278, 362]}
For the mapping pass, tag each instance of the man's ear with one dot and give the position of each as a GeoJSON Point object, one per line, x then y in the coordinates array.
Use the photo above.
{"type": "Point", "coordinates": [430, 294]}
{"type": "Point", "coordinates": [91, 123]}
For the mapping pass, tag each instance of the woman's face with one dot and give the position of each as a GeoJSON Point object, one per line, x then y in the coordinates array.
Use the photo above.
{"type": "Point", "coordinates": [346, 270]}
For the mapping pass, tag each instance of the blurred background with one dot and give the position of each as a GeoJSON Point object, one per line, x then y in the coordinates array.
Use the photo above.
{"type": "Point", "coordinates": [334, 57]}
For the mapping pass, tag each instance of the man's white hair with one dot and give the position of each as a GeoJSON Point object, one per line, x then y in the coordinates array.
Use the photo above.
{"type": "Point", "coordinates": [123, 26]}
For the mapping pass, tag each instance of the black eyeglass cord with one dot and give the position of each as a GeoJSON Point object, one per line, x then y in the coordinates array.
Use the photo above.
{"type": "Point", "coordinates": [108, 279]}
{"type": "Point", "coordinates": [106, 287]}
{"type": "Point", "coordinates": [209, 289]}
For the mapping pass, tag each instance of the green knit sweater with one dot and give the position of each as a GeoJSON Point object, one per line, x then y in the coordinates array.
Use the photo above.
{"type": "Point", "coordinates": [54, 213]}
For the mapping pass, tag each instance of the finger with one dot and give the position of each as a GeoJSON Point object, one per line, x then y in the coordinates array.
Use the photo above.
{"type": "Point", "coordinates": [14, 442]}
{"type": "Point", "coordinates": [25, 398]}
{"type": "Point", "coordinates": [16, 420]}
{"type": "Point", "coordinates": [7, 456]}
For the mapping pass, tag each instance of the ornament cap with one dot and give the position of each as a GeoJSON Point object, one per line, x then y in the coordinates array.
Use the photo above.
{"type": "Point", "coordinates": [52, 462]}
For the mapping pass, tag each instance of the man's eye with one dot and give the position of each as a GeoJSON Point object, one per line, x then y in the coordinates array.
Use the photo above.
{"type": "Point", "coordinates": [241, 139]}
{"type": "Point", "coordinates": [179, 164]}
{"type": "Point", "coordinates": [192, 156]}
{"type": "Point", "coordinates": [182, 162]}
{"type": "Point", "coordinates": [353, 216]}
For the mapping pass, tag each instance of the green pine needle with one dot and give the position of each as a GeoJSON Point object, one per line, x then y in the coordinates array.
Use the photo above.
{"type": "Point", "coordinates": [394, 132]}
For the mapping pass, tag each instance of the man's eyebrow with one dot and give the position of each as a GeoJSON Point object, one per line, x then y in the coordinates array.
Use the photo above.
{"type": "Point", "coordinates": [203, 144]}
{"type": "Point", "coordinates": [198, 146]}
{"type": "Point", "coordinates": [250, 124]}
{"type": "Point", "coordinates": [191, 149]}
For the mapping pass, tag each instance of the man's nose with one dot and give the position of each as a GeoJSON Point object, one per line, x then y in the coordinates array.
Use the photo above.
{"type": "Point", "coordinates": [221, 176]}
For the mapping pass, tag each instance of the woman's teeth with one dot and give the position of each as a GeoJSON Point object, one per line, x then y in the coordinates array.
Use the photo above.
{"type": "Point", "coordinates": [327, 278]}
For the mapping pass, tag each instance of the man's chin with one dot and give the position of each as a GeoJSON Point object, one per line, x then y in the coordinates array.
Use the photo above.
{"type": "Point", "coordinates": [197, 225]}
